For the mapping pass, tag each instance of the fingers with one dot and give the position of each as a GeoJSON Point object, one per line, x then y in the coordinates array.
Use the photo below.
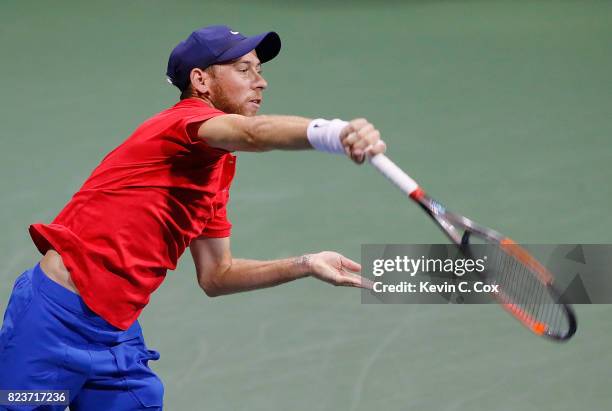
{"type": "Point", "coordinates": [338, 270]}
{"type": "Point", "coordinates": [358, 134]}
{"type": "Point", "coordinates": [361, 138]}
{"type": "Point", "coordinates": [358, 158]}
{"type": "Point", "coordinates": [352, 126]}
{"type": "Point", "coordinates": [350, 264]}
{"type": "Point", "coordinates": [379, 148]}
{"type": "Point", "coordinates": [354, 280]}
{"type": "Point", "coordinates": [366, 283]}
{"type": "Point", "coordinates": [366, 138]}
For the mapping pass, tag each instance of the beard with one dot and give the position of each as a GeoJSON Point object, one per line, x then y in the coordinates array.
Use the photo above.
{"type": "Point", "coordinates": [225, 103]}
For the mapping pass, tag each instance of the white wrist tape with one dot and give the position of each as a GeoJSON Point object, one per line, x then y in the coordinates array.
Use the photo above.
{"type": "Point", "coordinates": [324, 135]}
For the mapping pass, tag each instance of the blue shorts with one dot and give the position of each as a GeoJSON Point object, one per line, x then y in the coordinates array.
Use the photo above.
{"type": "Point", "coordinates": [51, 340]}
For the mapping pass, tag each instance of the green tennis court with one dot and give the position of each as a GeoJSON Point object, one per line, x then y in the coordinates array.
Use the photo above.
{"type": "Point", "coordinates": [500, 108]}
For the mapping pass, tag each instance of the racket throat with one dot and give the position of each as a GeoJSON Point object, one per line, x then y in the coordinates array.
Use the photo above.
{"type": "Point", "coordinates": [465, 238]}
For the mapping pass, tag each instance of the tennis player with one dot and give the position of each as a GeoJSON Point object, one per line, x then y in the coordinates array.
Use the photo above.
{"type": "Point", "coordinates": [71, 321]}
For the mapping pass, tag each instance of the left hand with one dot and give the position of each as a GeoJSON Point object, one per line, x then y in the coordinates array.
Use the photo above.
{"type": "Point", "coordinates": [336, 269]}
{"type": "Point", "coordinates": [360, 138]}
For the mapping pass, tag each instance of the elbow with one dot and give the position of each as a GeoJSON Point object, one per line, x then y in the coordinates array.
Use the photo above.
{"type": "Point", "coordinates": [210, 288]}
{"type": "Point", "coordinates": [211, 292]}
{"type": "Point", "coordinates": [212, 282]}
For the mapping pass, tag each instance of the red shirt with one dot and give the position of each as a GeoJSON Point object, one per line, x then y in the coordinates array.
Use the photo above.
{"type": "Point", "coordinates": [139, 210]}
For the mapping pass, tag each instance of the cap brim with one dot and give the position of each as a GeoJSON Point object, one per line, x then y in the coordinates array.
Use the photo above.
{"type": "Point", "coordinates": [267, 45]}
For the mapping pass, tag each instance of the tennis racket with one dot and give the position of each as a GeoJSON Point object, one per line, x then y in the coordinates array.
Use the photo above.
{"type": "Point", "coordinates": [526, 288]}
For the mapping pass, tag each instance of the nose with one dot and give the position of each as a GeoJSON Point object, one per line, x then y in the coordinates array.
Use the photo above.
{"type": "Point", "coordinates": [260, 82]}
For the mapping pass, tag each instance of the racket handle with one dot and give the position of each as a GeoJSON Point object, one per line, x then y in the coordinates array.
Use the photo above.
{"type": "Point", "coordinates": [395, 174]}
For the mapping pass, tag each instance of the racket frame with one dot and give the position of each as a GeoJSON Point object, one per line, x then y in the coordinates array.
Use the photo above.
{"type": "Point", "coordinates": [459, 229]}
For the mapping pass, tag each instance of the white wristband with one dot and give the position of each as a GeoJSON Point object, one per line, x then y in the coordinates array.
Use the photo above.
{"type": "Point", "coordinates": [324, 135]}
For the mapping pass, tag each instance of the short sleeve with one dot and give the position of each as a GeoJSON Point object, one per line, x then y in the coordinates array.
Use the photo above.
{"type": "Point", "coordinates": [189, 125]}
{"type": "Point", "coordinates": [219, 226]}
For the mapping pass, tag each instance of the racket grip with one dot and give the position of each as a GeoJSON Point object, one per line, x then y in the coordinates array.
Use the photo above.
{"type": "Point", "coordinates": [394, 174]}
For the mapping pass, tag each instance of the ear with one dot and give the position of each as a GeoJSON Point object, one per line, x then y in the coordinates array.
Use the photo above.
{"type": "Point", "coordinates": [200, 80]}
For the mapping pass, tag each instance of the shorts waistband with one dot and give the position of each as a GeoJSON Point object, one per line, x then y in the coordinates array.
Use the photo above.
{"type": "Point", "coordinates": [74, 303]}
{"type": "Point", "coordinates": [63, 296]}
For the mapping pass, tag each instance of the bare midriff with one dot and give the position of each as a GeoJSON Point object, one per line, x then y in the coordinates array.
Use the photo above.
{"type": "Point", "coordinates": [53, 266]}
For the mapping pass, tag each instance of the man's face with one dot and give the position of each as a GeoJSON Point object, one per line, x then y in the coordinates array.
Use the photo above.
{"type": "Point", "coordinates": [237, 87]}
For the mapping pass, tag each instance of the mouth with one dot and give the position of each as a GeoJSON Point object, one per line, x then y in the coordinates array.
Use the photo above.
{"type": "Point", "coordinates": [256, 102]}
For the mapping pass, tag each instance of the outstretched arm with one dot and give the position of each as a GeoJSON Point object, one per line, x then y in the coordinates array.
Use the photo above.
{"type": "Point", "coordinates": [219, 273]}
{"type": "Point", "coordinates": [234, 132]}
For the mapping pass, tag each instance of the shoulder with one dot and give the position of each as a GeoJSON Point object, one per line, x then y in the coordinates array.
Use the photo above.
{"type": "Point", "coordinates": [185, 117]}
{"type": "Point", "coordinates": [191, 107]}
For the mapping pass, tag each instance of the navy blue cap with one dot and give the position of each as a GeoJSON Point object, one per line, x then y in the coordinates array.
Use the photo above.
{"type": "Point", "coordinates": [216, 44]}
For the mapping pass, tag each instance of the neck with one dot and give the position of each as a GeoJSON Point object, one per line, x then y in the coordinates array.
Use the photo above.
{"type": "Point", "coordinates": [195, 94]}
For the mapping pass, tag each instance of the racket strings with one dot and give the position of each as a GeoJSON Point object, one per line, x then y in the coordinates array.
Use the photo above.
{"type": "Point", "coordinates": [522, 292]}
